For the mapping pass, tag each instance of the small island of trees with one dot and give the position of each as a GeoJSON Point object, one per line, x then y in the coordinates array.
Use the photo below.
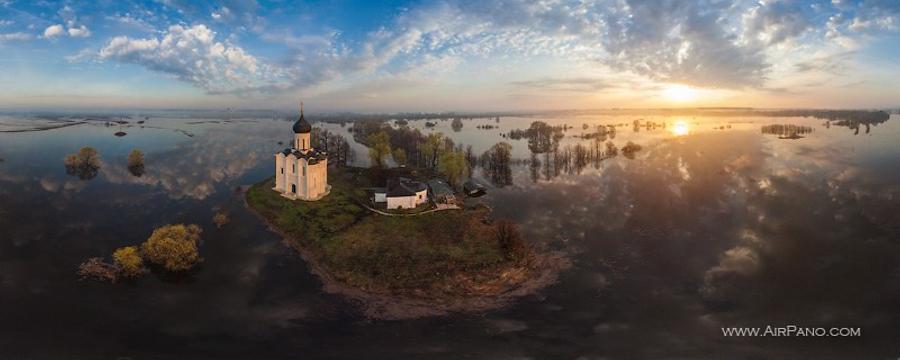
{"type": "Point", "coordinates": [136, 163]}
{"type": "Point", "coordinates": [170, 248]}
{"type": "Point", "coordinates": [85, 164]}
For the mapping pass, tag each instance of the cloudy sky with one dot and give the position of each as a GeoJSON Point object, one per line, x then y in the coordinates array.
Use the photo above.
{"type": "Point", "coordinates": [449, 55]}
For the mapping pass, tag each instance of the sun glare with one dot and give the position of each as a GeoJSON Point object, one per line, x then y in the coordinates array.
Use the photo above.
{"type": "Point", "coordinates": [680, 128]}
{"type": "Point", "coordinates": [680, 93]}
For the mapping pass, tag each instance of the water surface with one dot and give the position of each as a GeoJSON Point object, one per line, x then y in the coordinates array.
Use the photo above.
{"type": "Point", "coordinates": [713, 223]}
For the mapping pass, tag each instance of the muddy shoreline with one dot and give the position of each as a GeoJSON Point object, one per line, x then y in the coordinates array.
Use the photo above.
{"type": "Point", "coordinates": [513, 283]}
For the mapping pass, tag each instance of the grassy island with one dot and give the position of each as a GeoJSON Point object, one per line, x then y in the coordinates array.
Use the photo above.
{"type": "Point", "coordinates": [426, 264]}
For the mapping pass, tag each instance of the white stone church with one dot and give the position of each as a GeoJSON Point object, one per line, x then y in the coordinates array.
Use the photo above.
{"type": "Point", "coordinates": [301, 171]}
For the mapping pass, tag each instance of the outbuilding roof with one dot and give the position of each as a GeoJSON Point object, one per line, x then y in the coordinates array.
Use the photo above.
{"type": "Point", "coordinates": [440, 187]}
{"type": "Point", "coordinates": [403, 187]}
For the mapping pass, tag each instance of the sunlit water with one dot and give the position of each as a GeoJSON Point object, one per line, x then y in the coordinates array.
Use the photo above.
{"type": "Point", "coordinates": [712, 224]}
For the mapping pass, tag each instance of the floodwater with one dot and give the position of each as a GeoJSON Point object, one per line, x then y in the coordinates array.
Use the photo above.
{"type": "Point", "coordinates": [712, 224]}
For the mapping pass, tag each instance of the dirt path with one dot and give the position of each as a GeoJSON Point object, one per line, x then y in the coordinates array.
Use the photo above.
{"type": "Point", "coordinates": [440, 207]}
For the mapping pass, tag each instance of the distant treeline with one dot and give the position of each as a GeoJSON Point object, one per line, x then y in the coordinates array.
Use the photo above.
{"type": "Point", "coordinates": [848, 116]}
{"type": "Point", "coordinates": [859, 115]}
{"type": "Point", "coordinates": [404, 118]}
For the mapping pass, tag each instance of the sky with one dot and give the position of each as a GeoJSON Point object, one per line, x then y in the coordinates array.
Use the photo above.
{"type": "Point", "coordinates": [388, 56]}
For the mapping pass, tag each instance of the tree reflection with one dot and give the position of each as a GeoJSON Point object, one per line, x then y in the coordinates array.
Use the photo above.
{"type": "Point", "coordinates": [496, 163]}
{"type": "Point", "coordinates": [572, 159]}
{"type": "Point", "coordinates": [786, 131]}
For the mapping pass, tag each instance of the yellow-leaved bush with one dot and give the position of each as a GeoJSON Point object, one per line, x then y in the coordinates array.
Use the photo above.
{"type": "Point", "coordinates": [128, 260]}
{"type": "Point", "coordinates": [174, 247]}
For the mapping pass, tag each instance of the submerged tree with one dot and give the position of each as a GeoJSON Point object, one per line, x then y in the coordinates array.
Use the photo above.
{"type": "Point", "coordinates": [611, 149]}
{"type": "Point", "coordinates": [174, 247]}
{"type": "Point", "coordinates": [543, 138]}
{"type": "Point", "coordinates": [136, 162]}
{"type": "Point", "coordinates": [456, 125]}
{"type": "Point", "coordinates": [221, 219]}
{"type": "Point", "coordinates": [85, 163]}
{"type": "Point", "coordinates": [496, 162]}
{"type": "Point", "coordinates": [629, 149]}
{"type": "Point", "coordinates": [129, 261]}
{"type": "Point", "coordinates": [97, 269]}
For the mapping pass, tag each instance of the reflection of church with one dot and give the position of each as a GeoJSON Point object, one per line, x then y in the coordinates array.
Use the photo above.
{"type": "Point", "coordinates": [301, 171]}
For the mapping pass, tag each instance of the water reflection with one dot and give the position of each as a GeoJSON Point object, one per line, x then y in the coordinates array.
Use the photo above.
{"type": "Point", "coordinates": [787, 131]}
{"type": "Point", "coordinates": [193, 169]}
{"type": "Point", "coordinates": [680, 128]}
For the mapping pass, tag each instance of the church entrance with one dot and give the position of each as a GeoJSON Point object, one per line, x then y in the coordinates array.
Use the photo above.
{"type": "Point", "coordinates": [294, 188]}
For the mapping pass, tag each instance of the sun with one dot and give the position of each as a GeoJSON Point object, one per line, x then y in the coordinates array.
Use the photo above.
{"type": "Point", "coordinates": [680, 93]}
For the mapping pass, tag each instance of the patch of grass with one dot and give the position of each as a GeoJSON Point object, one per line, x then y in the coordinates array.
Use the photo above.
{"type": "Point", "coordinates": [311, 223]}
{"type": "Point", "coordinates": [384, 253]}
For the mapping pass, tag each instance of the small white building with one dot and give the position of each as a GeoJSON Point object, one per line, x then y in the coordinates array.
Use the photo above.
{"type": "Point", "coordinates": [402, 193]}
{"type": "Point", "coordinates": [301, 171]}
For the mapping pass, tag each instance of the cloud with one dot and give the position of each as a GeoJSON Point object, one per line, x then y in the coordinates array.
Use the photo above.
{"type": "Point", "coordinates": [53, 31]}
{"type": "Point", "coordinates": [566, 84]}
{"type": "Point", "coordinates": [686, 42]}
{"type": "Point", "coordinates": [683, 42]}
{"type": "Point", "coordinates": [16, 36]}
{"type": "Point", "coordinates": [191, 54]}
{"type": "Point", "coordinates": [775, 22]}
{"type": "Point", "coordinates": [835, 64]}
{"type": "Point", "coordinates": [705, 43]}
{"type": "Point", "coordinates": [132, 22]}
{"type": "Point", "coordinates": [57, 30]}
{"type": "Point", "coordinates": [82, 55]}
{"type": "Point", "coordinates": [81, 31]}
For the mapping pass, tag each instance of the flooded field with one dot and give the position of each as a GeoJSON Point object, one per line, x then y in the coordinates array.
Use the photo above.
{"type": "Point", "coordinates": [732, 221]}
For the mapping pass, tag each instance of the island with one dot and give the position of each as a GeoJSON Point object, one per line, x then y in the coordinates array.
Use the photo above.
{"type": "Point", "coordinates": [399, 241]}
{"type": "Point", "coordinates": [404, 264]}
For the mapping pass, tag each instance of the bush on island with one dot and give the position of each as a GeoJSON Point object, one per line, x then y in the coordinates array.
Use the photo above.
{"type": "Point", "coordinates": [136, 162]}
{"type": "Point", "coordinates": [174, 247]}
{"type": "Point", "coordinates": [128, 260]}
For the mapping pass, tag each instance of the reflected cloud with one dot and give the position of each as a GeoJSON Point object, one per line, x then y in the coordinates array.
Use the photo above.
{"type": "Point", "coordinates": [193, 169]}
